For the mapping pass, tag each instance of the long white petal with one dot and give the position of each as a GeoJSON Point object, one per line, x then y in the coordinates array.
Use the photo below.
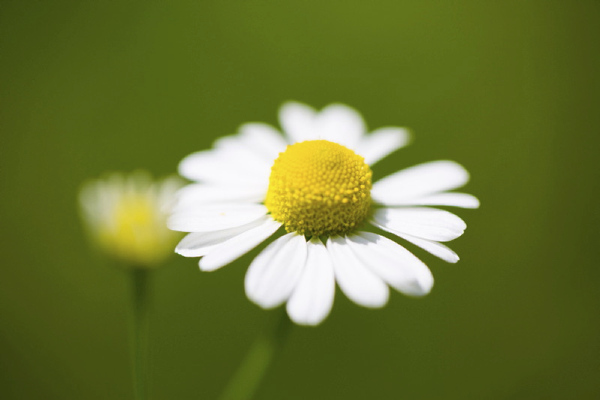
{"type": "Point", "coordinates": [298, 122]}
{"type": "Point", "coordinates": [239, 153]}
{"type": "Point", "coordinates": [418, 181]}
{"type": "Point", "coordinates": [451, 199]}
{"type": "Point", "coordinates": [215, 217]}
{"type": "Point", "coordinates": [341, 124]}
{"type": "Point", "coordinates": [274, 273]}
{"type": "Point", "coordinates": [263, 139]}
{"type": "Point", "coordinates": [426, 223]}
{"type": "Point", "coordinates": [197, 244]}
{"type": "Point", "coordinates": [437, 249]}
{"type": "Point", "coordinates": [196, 165]}
{"type": "Point", "coordinates": [381, 142]}
{"type": "Point", "coordinates": [218, 167]}
{"type": "Point", "coordinates": [237, 246]}
{"type": "Point", "coordinates": [393, 263]}
{"type": "Point", "coordinates": [312, 299]}
{"type": "Point", "coordinates": [200, 194]}
{"type": "Point", "coordinates": [358, 282]}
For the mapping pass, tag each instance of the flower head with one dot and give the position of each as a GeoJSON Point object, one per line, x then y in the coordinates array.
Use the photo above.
{"type": "Point", "coordinates": [126, 216]}
{"type": "Point", "coordinates": [315, 181]}
{"type": "Point", "coordinates": [318, 188]}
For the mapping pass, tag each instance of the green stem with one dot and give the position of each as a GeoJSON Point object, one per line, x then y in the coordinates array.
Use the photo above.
{"type": "Point", "coordinates": [247, 378]}
{"type": "Point", "coordinates": [141, 306]}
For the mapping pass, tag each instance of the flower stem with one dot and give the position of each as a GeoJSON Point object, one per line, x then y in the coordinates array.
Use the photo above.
{"type": "Point", "coordinates": [247, 378]}
{"type": "Point", "coordinates": [141, 307]}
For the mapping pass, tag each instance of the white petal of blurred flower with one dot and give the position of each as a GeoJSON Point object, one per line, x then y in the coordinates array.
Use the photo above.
{"type": "Point", "coordinates": [126, 214]}
{"type": "Point", "coordinates": [315, 181]}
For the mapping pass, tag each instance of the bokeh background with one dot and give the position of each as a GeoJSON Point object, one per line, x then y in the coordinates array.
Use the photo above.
{"type": "Point", "coordinates": [507, 88]}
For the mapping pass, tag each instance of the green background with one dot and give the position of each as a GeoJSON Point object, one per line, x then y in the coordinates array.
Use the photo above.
{"type": "Point", "coordinates": [508, 89]}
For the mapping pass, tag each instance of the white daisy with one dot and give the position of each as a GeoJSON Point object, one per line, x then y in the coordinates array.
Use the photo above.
{"type": "Point", "coordinates": [315, 181]}
{"type": "Point", "coordinates": [126, 215]}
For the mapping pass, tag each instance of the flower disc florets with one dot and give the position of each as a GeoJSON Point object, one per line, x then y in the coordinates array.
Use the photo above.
{"type": "Point", "coordinates": [319, 188]}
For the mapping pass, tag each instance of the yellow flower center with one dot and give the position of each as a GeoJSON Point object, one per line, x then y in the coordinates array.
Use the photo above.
{"type": "Point", "coordinates": [319, 188]}
{"type": "Point", "coordinates": [135, 231]}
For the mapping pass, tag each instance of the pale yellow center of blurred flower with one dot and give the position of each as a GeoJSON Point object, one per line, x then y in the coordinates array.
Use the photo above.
{"type": "Point", "coordinates": [135, 231]}
{"type": "Point", "coordinates": [319, 188]}
{"type": "Point", "coordinates": [126, 217]}
{"type": "Point", "coordinates": [132, 221]}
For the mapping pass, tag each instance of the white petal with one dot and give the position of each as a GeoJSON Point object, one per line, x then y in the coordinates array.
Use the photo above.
{"type": "Point", "coordinates": [426, 223]}
{"type": "Point", "coordinates": [437, 249]}
{"type": "Point", "coordinates": [236, 150]}
{"type": "Point", "coordinates": [382, 142]}
{"type": "Point", "coordinates": [194, 166]}
{"type": "Point", "coordinates": [341, 124]}
{"type": "Point", "coordinates": [441, 199]}
{"type": "Point", "coordinates": [215, 217]}
{"type": "Point", "coordinates": [240, 146]}
{"type": "Point", "coordinates": [418, 181]}
{"type": "Point", "coordinates": [357, 281]}
{"type": "Point", "coordinates": [275, 271]}
{"type": "Point", "coordinates": [198, 244]}
{"type": "Point", "coordinates": [200, 194]}
{"type": "Point", "coordinates": [298, 122]}
{"type": "Point", "coordinates": [223, 167]}
{"type": "Point", "coordinates": [237, 246]}
{"type": "Point", "coordinates": [393, 263]}
{"type": "Point", "coordinates": [263, 139]}
{"type": "Point", "coordinates": [312, 298]}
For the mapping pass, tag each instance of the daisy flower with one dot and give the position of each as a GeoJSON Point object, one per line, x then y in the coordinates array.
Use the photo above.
{"type": "Point", "coordinates": [315, 181]}
{"type": "Point", "coordinates": [126, 214]}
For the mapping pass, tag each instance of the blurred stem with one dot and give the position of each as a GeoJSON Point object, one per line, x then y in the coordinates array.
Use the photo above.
{"type": "Point", "coordinates": [140, 291]}
{"type": "Point", "coordinates": [247, 378]}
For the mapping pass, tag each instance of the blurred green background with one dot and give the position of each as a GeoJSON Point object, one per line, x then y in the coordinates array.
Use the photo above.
{"type": "Point", "coordinates": [508, 89]}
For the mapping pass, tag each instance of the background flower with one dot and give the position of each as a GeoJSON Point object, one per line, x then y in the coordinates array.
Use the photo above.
{"type": "Point", "coordinates": [126, 214]}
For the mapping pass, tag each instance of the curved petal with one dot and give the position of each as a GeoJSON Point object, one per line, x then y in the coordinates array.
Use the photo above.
{"type": "Point", "coordinates": [450, 199]}
{"type": "Point", "coordinates": [218, 167]}
{"type": "Point", "coordinates": [341, 124]}
{"type": "Point", "coordinates": [236, 149]}
{"type": "Point", "coordinates": [357, 281]}
{"type": "Point", "coordinates": [275, 271]}
{"type": "Point", "coordinates": [237, 246]}
{"type": "Point", "coordinates": [263, 139]}
{"type": "Point", "coordinates": [201, 194]}
{"type": "Point", "coordinates": [437, 249]}
{"type": "Point", "coordinates": [394, 264]}
{"type": "Point", "coordinates": [312, 298]}
{"type": "Point", "coordinates": [418, 181]}
{"type": "Point", "coordinates": [382, 142]}
{"type": "Point", "coordinates": [298, 122]}
{"type": "Point", "coordinates": [198, 244]}
{"type": "Point", "coordinates": [215, 217]}
{"type": "Point", "coordinates": [426, 223]}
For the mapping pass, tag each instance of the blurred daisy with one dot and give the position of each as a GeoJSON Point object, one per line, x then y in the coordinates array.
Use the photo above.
{"type": "Point", "coordinates": [316, 182]}
{"type": "Point", "coordinates": [126, 216]}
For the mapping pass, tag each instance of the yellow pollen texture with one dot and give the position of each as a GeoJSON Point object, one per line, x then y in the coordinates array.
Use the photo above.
{"type": "Point", "coordinates": [319, 188]}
